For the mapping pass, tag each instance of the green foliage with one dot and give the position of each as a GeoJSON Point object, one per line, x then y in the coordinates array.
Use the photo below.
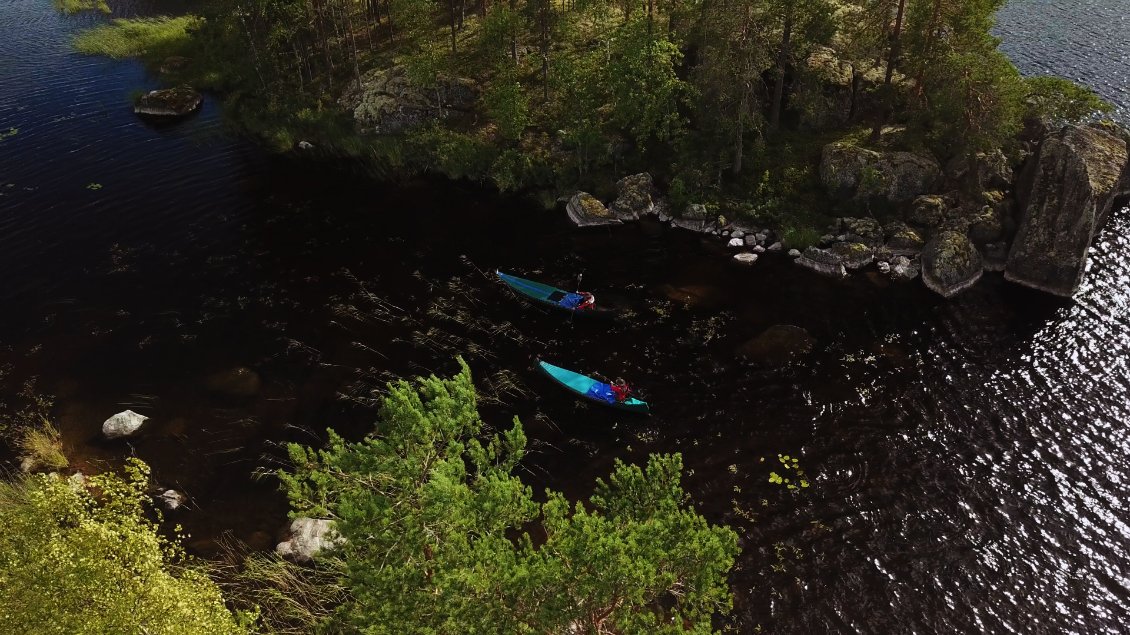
{"type": "Point", "coordinates": [799, 237]}
{"type": "Point", "coordinates": [439, 533]}
{"type": "Point", "coordinates": [73, 562]}
{"type": "Point", "coordinates": [507, 106]}
{"type": "Point", "coordinates": [1062, 100]}
{"type": "Point", "coordinates": [74, 6]}
{"type": "Point", "coordinates": [645, 89]}
{"type": "Point", "coordinates": [9, 133]}
{"type": "Point", "coordinates": [138, 37]}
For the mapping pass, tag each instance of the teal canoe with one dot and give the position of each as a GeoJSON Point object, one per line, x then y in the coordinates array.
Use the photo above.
{"type": "Point", "coordinates": [545, 294]}
{"type": "Point", "coordinates": [592, 389]}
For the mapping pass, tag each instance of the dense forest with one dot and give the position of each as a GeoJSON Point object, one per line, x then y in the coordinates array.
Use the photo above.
{"type": "Point", "coordinates": [725, 102]}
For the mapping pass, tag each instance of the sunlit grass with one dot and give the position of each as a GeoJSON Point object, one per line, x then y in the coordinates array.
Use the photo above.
{"type": "Point", "coordinates": [74, 6]}
{"type": "Point", "coordinates": [137, 37]}
{"type": "Point", "coordinates": [43, 447]}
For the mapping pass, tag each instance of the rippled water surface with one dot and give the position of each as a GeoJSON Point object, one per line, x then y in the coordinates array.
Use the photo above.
{"type": "Point", "coordinates": [968, 458]}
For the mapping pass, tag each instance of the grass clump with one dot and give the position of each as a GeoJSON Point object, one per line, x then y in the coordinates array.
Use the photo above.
{"type": "Point", "coordinates": [799, 237]}
{"type": "Point", "coordinates": [149, 38]}
{"type": "Point", "coordinates": [74, 6]}
{"type": "Point", "coordinates": [42, 448]}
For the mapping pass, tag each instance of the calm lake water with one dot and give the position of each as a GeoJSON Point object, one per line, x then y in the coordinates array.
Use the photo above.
{"type": "Point", "coordinates": [968, 458]}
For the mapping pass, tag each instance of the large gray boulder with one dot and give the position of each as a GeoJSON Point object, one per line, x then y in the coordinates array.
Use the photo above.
{"type": "Point", "coordinates": [636, 196]}
{"type": "Point", "coordinates": [168, 103]}
{"type": "Point", "coordinates": [306, 538]}
{"type": "Point", "coordinates": [951, 264]}
{"type": "Point", "coordinates": [389, 101]}
{"type": "Point", "coordinates": [122, 424]}
{"type": "Point", "coordinates": [1065, 195]}
{"type": "Point", "coordinates": [898, 177]}
{"type": "Point", "coordinates": [585, 210]}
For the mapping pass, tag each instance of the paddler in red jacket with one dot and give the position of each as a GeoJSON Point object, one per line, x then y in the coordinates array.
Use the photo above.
{"type": "Point", "coordinates": [621, 390]}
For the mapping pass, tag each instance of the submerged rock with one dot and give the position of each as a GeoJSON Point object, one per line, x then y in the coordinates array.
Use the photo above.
{"type": "Point", "coordinates": [951, 264]}
{"type": "Point", "coordinates": [168, 103]}
{"type": "Point", "coordinates": [586, 211]}
{"type": "Point", "coordinates": [1064, 197]}
{"type": "Point", "coordinates": [174, 64]}
{"type": "Point", "coordinates": [778, 345]}
{"type": "Point", "coordinates": [745, 258]}
{"type": "Point", "coordinates": [236, 382]}
{"type": "Point", "coordinates": [823, 262]}
{"type": "Point", "coordinates": [122, 424]}
{"type": "Point", "coordinates": [306, 538]}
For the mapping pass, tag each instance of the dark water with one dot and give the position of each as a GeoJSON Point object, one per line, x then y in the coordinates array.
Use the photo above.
{"type": "Point", "coordinates": [968, 458]}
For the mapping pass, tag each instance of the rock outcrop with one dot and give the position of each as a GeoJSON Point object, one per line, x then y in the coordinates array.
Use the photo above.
{"type": "Point", "coordinates": [850, 171]}
{"type": "Point", "coordinates": [122, 424]}
{"type": "Point", "coordinates": [168, 103]}
{"type": "Point", "coordinates": [585, 210]}
{"type": "Point", "coordinates": [951, 264]}
{"type": "Point", "coordinates": [306, 538]}
{"type": "Point", "coordinates": [636, 196]}
{"type": "Point", "coordinates": [823, 262]}
{"type": "Point", "coordinates": [1065, 195]}
{"type": "Point", "coordinates": [389, 101]}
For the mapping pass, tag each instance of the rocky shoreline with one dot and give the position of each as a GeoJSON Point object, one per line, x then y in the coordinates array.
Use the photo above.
{"type": "Point", "coordinates": [1032, 218]}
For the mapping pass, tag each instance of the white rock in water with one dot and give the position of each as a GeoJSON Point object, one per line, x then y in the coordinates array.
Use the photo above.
{"type": "Point", "coordinates": [736, 242]}
{"type": "Point", "coordinates": [758, 249]}
{"type": "Point", "coordinates": [171, 499]}
{"type": "Point", "coordinates": [738, 233]}
{"type": "Point", "coordinates": [308, 537]}
{"type": "Point", "coordinates": [305, 145]}
{"type": "Point", "coordinates": [884, 267]}
{"type": "Point", "coordinates": [750, 240]}
{"type": "Point", "coordinates": [794, 253]}
{"type": "Point", "coordinates": [122, 424]}
{"type": "Point", "coordinates": [746, 258]}
{"type": "Point", "coordinates": [777, 246]}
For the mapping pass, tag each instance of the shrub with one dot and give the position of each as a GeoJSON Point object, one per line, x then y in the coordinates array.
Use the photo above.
{"type": "Point", "coordinates": [78, 563]}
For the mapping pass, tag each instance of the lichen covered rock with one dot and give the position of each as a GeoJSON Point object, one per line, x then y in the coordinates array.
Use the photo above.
{"type": "Point", "coordinates": [390, 102]}
{"type": "Point", "coordinates": [823, 262]}
{"type": "Point", "coordinates": [586, 211]}
{"type": "Point", "coordinates": [848, 170]}
{"type": "Point", "coordinates": [1065, 196]}
{"type": "Point", "coordinates": [951, 264]}
{"type": "Point", "coordinates": [168, 103]}
{"type": "Point", "coordinates": [636, 196]}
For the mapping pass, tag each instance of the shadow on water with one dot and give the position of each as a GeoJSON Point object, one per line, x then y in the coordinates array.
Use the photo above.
{"type": "Point", "coordinates": [966, 457]}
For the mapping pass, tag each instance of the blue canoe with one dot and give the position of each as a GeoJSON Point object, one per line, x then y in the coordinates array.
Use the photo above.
{"type": "Point", "coordinates": [545, 294]}
{"type": "Point", "coordinates": [592, 389]}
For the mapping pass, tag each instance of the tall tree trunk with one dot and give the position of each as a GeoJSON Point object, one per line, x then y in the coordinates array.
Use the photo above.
{"type": "Point", "coordinates": [739, 141]}
{"type": "Point", "coordinates": [782, 62]}
{"type": "Point", "coordinates": [451, 7]}
{"type": "Point", "coordinates": [352, 45]}
{"type": "Point", "coordinates": [892, 59]}
{"type": "Point", "coordinates": [927, 50]}
{"type": "Point", "coordinates": [513, 34]}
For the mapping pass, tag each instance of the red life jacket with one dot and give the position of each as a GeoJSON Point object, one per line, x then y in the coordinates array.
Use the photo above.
{"type": "Point", "coordinates": [621, 392]}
